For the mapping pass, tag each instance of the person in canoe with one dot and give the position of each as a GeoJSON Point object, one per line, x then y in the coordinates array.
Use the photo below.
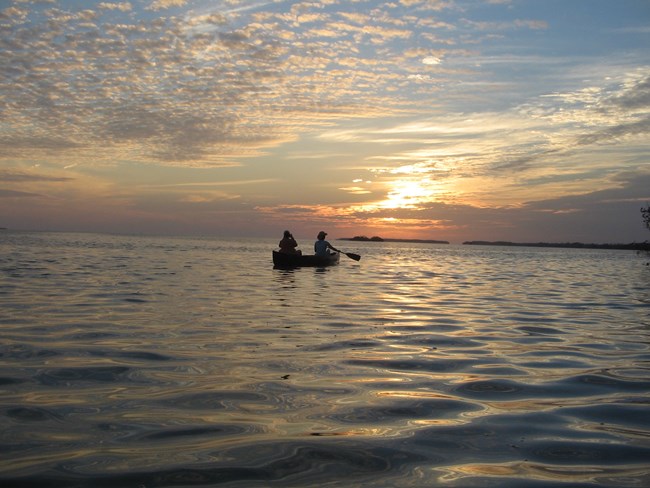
{"type": "Point", "coordinates": [321, 246]}
{"type": "Point", "coordinates": [288, 244]}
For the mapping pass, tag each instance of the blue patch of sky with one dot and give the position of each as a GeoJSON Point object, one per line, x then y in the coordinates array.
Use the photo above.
{"type": "Point", "coordinates": [591, 27]}
{"type": "Point", "coordinates": [574, 27]}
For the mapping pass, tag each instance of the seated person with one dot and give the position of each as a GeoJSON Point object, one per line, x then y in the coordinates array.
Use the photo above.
{"type": "Point", "coordinates": [321, 246]}
{"type": "Point", "coordinates": [288, 244]}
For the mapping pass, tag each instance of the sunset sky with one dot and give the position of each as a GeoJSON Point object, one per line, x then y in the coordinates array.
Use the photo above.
{"type": "Point", "coordinates": [522, 120]}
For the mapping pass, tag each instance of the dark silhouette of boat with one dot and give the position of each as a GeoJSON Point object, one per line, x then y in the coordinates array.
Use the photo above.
{"type": "Point", "coordinates": [282, 260]}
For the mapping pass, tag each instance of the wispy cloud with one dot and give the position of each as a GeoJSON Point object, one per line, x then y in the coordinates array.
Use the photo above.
{"type": "Point", "coordinates": [17, 194]}
{"type": "Point", "coordinates": [208, 184]}
{"type": "Point", "coordinates": [22, 177]}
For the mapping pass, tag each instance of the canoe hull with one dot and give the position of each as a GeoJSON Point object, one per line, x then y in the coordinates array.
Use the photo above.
{"type": "Point", "coordinates": [295, 261]}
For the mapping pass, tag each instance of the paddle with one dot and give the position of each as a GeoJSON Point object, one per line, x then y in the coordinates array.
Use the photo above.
{"type": "Point", "coordinates": [351, 255]}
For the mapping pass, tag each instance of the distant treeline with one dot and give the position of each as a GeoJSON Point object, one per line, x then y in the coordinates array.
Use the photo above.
{"type": "Point", "coordinates": [634, 246]}
{"type": "Point", "coordinates": [381, 239]}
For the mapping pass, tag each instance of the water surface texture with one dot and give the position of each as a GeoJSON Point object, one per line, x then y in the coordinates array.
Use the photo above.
{"type": "Point", "coordinates": [168, 362]}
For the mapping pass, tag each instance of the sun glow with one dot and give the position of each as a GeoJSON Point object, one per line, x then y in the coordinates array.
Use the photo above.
{"type": "Point", "coordinates": [408, 193]}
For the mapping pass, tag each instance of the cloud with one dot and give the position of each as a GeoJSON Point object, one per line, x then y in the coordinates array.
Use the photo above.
{"type": "Point", "coordinates": [356, 190]}
{"type": "Point", "coordinates": [165, 4]}
{"type": "Point", "coordinates": [504, 26]}
{"type": "Point", "coordinates": [17, 145]}
{"type": "Point", "coordinates": [200, 89]}
{"type": "Point", "coordinates": [125, 86]}
{"type": "Point", "coordinates": [121, 6]}
{"type": "Point", "coordinates": [531, 24]}
{"type": "Point", "coordinates": [21, 177]}
{"type": "Point", "coordinates": [207, 184]}
{"type": "Point", "coordinates": [431, 60]}
{"type": "Point", "coordinates": [406, 92]}
{"type": "Point", "coordinates": [505, 159]}
{"type": "Point", "coordinates": [434, 5]}
{"type": "Point", "coordinates": [635, 95]}
{"type": "Point", "coordinates": [16, 194]}
{"type": "Point", "coordinates": [616, 132]}
{"type": "Point", "coordinates": [563, 219]}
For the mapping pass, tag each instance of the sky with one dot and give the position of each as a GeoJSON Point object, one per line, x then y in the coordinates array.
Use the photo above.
{"type": "Point", "coordinates": [517, 120]}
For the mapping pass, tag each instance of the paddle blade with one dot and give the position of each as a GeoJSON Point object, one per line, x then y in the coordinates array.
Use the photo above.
{"type": "Point", "coordinates": [351, 255]}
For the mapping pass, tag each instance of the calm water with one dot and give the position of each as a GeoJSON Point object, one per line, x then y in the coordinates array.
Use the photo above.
{"type": "Point", "coordinates": [150, 362]}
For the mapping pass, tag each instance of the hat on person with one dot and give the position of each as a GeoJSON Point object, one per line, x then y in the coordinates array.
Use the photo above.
{"type": "Point", "coordinates": [322, 233]}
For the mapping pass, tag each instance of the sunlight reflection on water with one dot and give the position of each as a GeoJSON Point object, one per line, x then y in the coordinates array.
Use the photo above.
{"type": "Point", "coordinates": [178, 361]}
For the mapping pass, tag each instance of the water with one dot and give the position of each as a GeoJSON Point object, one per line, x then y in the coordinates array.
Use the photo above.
{"type": "Point", "coordinates": [150, 362]}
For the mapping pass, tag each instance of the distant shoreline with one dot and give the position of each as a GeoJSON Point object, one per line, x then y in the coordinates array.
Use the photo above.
{"type": "Point", "coordinates": [634, 246]}
{"type": "Point", "coordinates": [381, 239]}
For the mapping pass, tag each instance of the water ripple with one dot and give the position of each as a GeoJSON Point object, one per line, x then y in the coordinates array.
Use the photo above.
{"type": "Point", "coordinates": [137, 361]}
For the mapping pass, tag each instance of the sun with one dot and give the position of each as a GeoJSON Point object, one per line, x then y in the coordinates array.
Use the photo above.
{"type": "Point", "coordinates": [409, 193]}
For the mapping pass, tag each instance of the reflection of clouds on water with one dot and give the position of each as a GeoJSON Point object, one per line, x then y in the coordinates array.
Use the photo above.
{"type": "Point", "coordinates": [418, 366]}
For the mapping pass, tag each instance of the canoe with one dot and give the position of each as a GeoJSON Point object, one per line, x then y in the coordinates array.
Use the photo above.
{"type": "Point", "coordinates": [296, 260]}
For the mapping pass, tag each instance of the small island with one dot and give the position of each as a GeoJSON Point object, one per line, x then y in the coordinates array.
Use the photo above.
{"type": "Point", "coordinates": [363, 238]}
{"type": "Point", "coordinates": [382, 239]}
